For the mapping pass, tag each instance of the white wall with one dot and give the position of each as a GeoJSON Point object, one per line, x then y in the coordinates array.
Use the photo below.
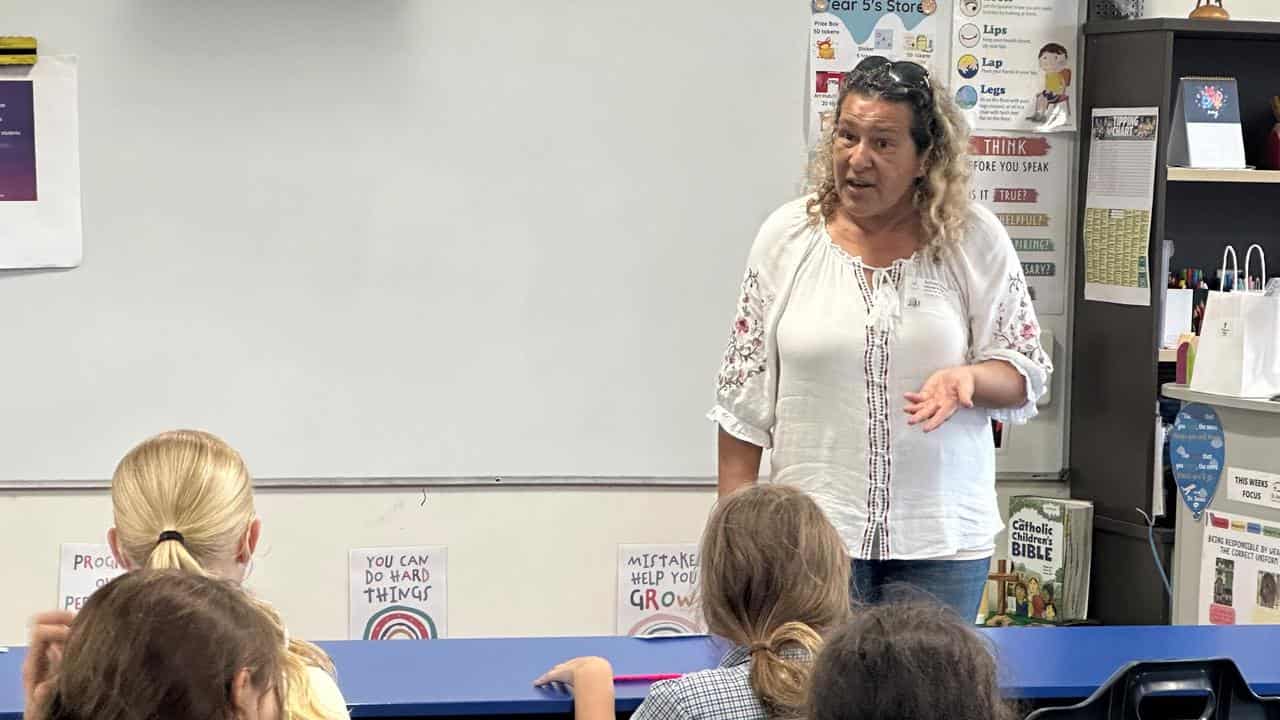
{"type": "Point", "coordinates": [522, 561]}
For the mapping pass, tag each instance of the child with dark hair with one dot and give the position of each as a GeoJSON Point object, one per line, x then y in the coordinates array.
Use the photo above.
{"type": "Point", "coordinates": [906, 660]}
{"type": "Point", "coordinates": [1057, 78]}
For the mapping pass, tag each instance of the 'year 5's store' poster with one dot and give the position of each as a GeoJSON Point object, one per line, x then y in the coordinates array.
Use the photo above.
{"type": "Point", "coordinates": [843, 32]}
{"type": "Point", "coordinates": [1013, 63]}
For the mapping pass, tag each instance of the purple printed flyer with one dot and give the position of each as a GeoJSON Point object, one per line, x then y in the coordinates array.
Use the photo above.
{"type": "Point", "coordinates": [17, 141]}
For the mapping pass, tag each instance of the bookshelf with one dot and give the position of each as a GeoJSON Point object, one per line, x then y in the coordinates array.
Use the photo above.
{"type": "Point", "coordinates": [1182, 174]}
{"type": "Point", "coordinates": [1117, 368]}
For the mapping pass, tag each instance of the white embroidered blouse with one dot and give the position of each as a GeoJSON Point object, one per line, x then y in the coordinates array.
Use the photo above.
{"type": "Point", "coordinates": [819, 359]}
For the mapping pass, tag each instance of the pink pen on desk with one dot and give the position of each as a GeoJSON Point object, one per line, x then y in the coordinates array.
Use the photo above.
{"type": "Point", "coordinates": [646, 678]}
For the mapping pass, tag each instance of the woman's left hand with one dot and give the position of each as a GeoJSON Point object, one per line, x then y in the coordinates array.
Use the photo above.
{"type": "Point", "coordinates": [945, 392]}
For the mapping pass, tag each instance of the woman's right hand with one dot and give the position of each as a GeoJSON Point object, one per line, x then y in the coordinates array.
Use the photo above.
{"type": "Point", "coordinates": [49, 633]}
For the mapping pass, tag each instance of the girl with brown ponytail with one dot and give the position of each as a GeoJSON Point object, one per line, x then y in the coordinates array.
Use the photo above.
{"type": "Point", "coordinates": [774, 579]}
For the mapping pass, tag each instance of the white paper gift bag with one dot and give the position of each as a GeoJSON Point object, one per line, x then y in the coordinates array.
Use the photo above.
{"type": "Point", "coordinates": [1239, 351]}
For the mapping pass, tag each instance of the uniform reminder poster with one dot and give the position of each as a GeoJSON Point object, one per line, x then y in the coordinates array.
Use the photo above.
{"type": "Point", "coordinates": [1013, 63]}
{"type": "Point", "coordinates": [399, 593]}
{"type": "Point", "coordinates": [83, 568]}
{"type": "Point", "coordinates": [1239, 571]}
{"type": "Point", "coordinates": [656, 590]}
{"type": "Point", "coordinates": [843, 32]}
{"type": "Point", "coordinates": [1026, 181]}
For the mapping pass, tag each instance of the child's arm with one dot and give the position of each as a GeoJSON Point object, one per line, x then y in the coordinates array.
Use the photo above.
{"type": "Point", "coordinates": [591, 679]}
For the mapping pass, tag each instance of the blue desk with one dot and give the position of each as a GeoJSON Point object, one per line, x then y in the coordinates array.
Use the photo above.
{"type": "Point", "coordinates": [487, 677]}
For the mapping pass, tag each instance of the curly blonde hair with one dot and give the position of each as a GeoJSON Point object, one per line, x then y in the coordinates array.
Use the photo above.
{"type": "Point", "coordinates": [939, 132]}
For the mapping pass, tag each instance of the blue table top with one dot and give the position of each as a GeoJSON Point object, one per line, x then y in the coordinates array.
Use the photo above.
{"type": "Point", "coordinates": [486, 677]}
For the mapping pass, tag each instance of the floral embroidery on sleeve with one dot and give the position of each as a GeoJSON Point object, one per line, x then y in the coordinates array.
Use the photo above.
{"type": "Point", "coordinates": [744, 358]}
{"type": "Point", "coordinates": [1016, 326]}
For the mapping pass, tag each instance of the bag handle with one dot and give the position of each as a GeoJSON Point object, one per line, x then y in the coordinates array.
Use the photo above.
{"type": "Point", "coordinates": [1235, 268]}
{"type": "Point", "coordinates": [1262, 260]}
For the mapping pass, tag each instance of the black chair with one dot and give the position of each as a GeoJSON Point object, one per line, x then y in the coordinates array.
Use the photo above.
{"type": "Point", "coordinates": [1161, 690]}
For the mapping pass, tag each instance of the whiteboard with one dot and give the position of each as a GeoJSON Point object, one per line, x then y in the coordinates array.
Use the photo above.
{"type": "Point", "coordinates": [406, 239]}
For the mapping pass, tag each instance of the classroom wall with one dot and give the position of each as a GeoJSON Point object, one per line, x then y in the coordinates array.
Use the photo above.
{"type": "Point", "coordinates": [522, 561]}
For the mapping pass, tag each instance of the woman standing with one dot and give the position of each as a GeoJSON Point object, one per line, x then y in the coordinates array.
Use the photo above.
{"type": "Point", "coordinates": [883, 322]}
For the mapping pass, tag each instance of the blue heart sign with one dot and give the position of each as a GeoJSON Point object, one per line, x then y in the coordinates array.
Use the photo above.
{"type": "Point", "coordinates": [1197, 451]}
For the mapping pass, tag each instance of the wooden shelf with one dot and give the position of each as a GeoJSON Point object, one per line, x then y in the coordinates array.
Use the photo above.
{"type": "Point", "coordinates": [1186, 394]}
{"type": "Point", "coordinates": [1182, 174]}
{"type": "Point", "coordinates": [1184, 27]}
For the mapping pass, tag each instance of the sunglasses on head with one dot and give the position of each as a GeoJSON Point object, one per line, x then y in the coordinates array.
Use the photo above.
{"type": "Point", "coordinates": [903, 74]}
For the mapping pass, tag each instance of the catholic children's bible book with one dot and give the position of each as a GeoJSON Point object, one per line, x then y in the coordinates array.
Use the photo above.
{"type": "Point", "coordinates": [1050, 545]}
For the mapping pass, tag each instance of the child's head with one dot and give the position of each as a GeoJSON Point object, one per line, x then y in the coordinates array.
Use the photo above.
{"type": "Point", "coordinates": [183, 499]}
{"type": "Point", "coordinates": [774, 574]}
{"type": "Point", "coordinates": [907, 660]}
{"type": "Point", "coordinates": [165, 643]}
{"type": "Point", "coordinates": [1053, 57]}
{"type": "Point", "coordinates": [1020, 591]}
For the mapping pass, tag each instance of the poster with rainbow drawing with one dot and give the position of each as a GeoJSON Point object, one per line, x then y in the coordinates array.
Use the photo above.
{"type": "Point", "coordinates": [656, 590]}
{"type": "Point", "coordinates": [399, 593]}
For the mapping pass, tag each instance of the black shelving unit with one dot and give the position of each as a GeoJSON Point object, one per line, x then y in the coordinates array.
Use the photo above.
{"type": "Point", "coordinates": [1115, 375]}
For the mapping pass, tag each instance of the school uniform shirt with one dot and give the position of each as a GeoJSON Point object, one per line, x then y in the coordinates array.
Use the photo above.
{"type": "Point", "coordinates": [819, 360]}
{"type": "Point", "coordinates": [326, 695]}
{"type": "Point", "coordinates": [721, 693]}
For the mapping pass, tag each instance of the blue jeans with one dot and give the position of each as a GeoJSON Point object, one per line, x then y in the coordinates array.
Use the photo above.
{"type": "Point", "coordinates": [957, 584]}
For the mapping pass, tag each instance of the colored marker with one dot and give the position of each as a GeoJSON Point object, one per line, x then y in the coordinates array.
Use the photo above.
{"type": "Point", "coordinates": [647, 678]}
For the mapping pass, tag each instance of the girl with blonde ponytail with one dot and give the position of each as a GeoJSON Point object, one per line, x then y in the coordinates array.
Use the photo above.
{"type": "Point", "coordinates": [184, 500]}
{"type": "Point", "coordinates": [774, 580]}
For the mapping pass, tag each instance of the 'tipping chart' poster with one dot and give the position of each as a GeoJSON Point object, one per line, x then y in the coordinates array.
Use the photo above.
{"type": "Point", "coordinates": [1026, 181]}
{"type": "Point", "coordinates": [399, 593]}
{"type": "Point", "coordinates": [843, 32]}
{"type": "Point", "coordinates": [1013, 63]}
{"type": "Point", "coordinates": [1117, 213]}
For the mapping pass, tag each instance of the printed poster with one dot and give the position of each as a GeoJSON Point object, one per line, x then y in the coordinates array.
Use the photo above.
{"type": "Point", "coordinates": [1197, 452]}
{"type": "Point", "coordinates": [1253, 486]}
{"type": "Point", "coordinates": [399, 593]}
{"type": "Point", "coordinates": [843, 32]}
{"type": "Point", "coordinates": [82, 569]}
{"type": "Point", "coordinates": [1026, 181]}
{"type": "Point", "coordinates": [1239, 571]}
{"type": "Point", "coordinates": [1013, 63]}
{"type": "Point", "coordinates": [17, 141]}
{"type": "Point", "coordinates": [1117, 213]}
{"type": "Point", "coordinates": [656, 590]}
{"type": "Point", "coordinates": [39, 165]}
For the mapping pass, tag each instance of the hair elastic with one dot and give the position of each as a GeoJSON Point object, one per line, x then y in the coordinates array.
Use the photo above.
{"type": "Point", "coordinates": [168, 535]}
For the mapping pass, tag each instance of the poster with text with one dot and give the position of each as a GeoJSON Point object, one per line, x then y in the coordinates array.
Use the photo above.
{"type": "Point", "coordinates": [1026, 181]}
{"type": "Point", "coordinates": [1239, 571]}
{"type": "Point", "coordinates": [82, 569]}
{"type": "Point", "coordinates": [656, 590]}
{"type": "Point", "coordinates": [40, 223]}
{"type": "Point", "coordinates": [399, 593]}
{"type": "Point", "coordinates": [1117, 206]}
{"type": "Point", "coordinates": [843, 32]}
{"type": "Point", "coordinates": [1013, 62]}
